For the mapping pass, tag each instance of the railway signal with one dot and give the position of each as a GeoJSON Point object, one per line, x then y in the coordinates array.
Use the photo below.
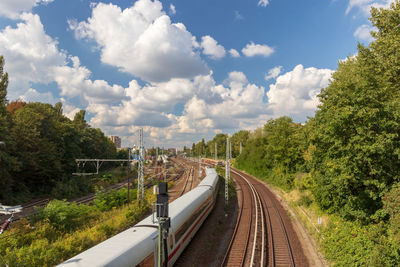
{"type": "Point", "coordinates": [164, 222]}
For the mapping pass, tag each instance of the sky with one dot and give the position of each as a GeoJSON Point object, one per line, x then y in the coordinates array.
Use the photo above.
{"type": "Point", "coordinates": [180, 69]}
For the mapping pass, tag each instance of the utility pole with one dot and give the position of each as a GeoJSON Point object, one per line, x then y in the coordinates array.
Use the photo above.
{"type": "Point", "coordinates": [227, 170]}
{"type": "Point", "coordinates": [129, 167]}
{"type": "Point", "coordinates": [240, 148]}
{"type": "Point", "coordinates": [230, 150]}
{"type": "Point", "coordinates": [199, 168]}
{"type": "Point", "coordinates": [140, 191]}
{"type": "Point", "coordinates": [215, 151]}
{"type": "Point", "coordinates": [157, 153]}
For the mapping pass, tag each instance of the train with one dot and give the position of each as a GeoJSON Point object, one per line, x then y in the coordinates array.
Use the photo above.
{"type": "Point", "coordinates": [138, 246]}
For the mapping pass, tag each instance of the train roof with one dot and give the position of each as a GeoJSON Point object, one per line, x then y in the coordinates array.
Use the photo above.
{"type": "Point", "coordinates": [130, 242]}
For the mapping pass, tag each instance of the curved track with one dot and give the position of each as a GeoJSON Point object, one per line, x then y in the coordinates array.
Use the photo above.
{"type": "Point", "coordinates": [280, 239]}
{"type": "Point", "coordinates": [247, 245]}
{"type": "Point", "coordinates": [263, 229]}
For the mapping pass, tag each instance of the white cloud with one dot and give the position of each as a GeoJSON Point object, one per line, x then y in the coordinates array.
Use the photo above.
{"type": "Point", "coordinates": [208, 107]}
{"type": "Point", "coordinates": [253, 49]}
{"type": "Point", "coordinates": [30, 54]}
{"type": "Point", "coordinates": [234, 53]}
{"type": "Point", "coordinates": [238, 16]}
{"type": "Point", "coordinates": [75, 81]}
{"type": "Point", "coordinates": [365, 5]}
{"type": "Point", "coordinates": [33, 57]}
{"type": "Point", "coordinates": [363, 33]}
{"type": "Point", "coordinates": [32, 95]}
{"type": "Point", "coordinates": [13, 8]}
{"type": "Point", "coordinates": [263, 3]}
{"type": "Point", "coordinates": [295, 92]}
{"type": "Point", "coordinates": [172, 9]}
{"type": "Point", "coordinates": [273, 73]}
{"type": "Point", "coordinates": [212, 48]}
{"type": "Point", "coordinates": [149, 46]}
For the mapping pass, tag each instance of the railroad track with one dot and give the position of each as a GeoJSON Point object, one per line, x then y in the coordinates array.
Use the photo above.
{"type": "Point", "coordinates": [189, 176]}
{"type": "Point", "coordinates": [280, 251]}
{"type": "Point", "coordinates": [247, 246]}
{"type": "Point", "coordinates": [279, 247]}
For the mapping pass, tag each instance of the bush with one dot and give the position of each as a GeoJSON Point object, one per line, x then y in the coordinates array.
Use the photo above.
{"type": "Point", "coordinates": [73, 187]}
{"type": "Point", "coordinates": [106, 200]}
{"type": "Point", "coordinates": [63, 215]}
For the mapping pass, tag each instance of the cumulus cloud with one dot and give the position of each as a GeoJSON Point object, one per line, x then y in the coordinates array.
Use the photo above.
{"type": "Point", "coordinates": [263, 3]}
{"type": "Point", "coordinates": [33, 57]}
{"type": "Point", "coordinates": [32, 95]}
{"type": "Point", "coordinates": [295, 92]}
{"type": "Point", "coordinates": [253, 49]}
{"type": "Point", "coordinates": [212, 48]}
{"type": "Point", "coordinates": [365, 5]}
{"type": "Point", "coordinates": [273, 73]}
{"type": "Point", "coordinates": [234, 53]}
{"type": "Point", "coordinates": [172, 9]}
{"type": "Point", "coordinates": [149, 46]}
{"type": "Point", "coordinates": [208, 107]}
{"type": "Point", "coordinates": [13, 8]}
{"type": "Point", "coordinates": [363, 33]}
{"type": "Point", "coordinates": [75, 81]}
{"type": "Point", "coordinates": [30, 54]}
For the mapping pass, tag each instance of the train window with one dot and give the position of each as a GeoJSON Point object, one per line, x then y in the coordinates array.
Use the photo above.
{"type": "Point", "coordinates": [147, 262]}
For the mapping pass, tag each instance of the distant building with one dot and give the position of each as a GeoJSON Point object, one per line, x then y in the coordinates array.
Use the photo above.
{"type": "Point", "coordinates": [116, 140]}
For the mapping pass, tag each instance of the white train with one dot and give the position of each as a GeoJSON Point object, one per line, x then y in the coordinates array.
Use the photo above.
{"type": "Point", "coordinates": [138, 245]}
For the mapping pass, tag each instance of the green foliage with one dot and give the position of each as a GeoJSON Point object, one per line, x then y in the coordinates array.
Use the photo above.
{"type": "Point", "coordinates": [73, 187]}
{"type": "Point", "coordinates": [63, 215]}
{"type": "Point", "coordinates": [356, 130]}
{"type": "Point", "coordinates": [350, 243]}
{"type": "Point", "coordinates": [41, 147]}
{"type": "Point", "coordinates": [106, 200]}
{"type": "Point", "coordinates": [46, 245]}
{"type": "Point", "coordinates": [276, 154]}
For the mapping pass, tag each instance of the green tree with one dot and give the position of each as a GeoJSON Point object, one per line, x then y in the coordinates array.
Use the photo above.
{"type": "Point", "coordinates": [238, 138]}
{"type": "Point", "coordinates": [8, 163]}
{"type": "Point", "coordinates": [356, 129]}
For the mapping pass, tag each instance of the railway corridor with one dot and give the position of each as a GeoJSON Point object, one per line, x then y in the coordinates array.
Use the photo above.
{"type": "Point", "coordinates": [263, 234]}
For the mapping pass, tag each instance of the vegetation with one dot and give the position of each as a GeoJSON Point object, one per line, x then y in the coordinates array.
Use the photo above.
{"type": "Point", "coordinates": [41, 146]}
{"type": "Point", "coordinates": [62, 229]}
{"type": "Point", "coordinates": [344, 162]}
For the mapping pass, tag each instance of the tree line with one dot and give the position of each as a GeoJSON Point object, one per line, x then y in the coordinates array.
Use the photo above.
{"type": "Point", "coordinates": [40, 146]}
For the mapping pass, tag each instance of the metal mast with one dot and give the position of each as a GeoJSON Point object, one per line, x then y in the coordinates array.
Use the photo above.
{"type": "Point", "coordinates": [141, 166]}
{"type": "Point", "coordinates": [230, 150]}
{"type": "Point", "coordinates": [227, 169]}
{"type": "Point", "coordinates": [215, 151]}
{"type": "Point", "coordinates": [199, 168]}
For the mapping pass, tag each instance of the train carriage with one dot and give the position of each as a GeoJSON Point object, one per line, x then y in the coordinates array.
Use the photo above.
{"type": "Point", "coordinates": [138, 245]}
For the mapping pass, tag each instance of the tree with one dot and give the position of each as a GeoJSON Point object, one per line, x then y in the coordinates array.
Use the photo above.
{"type": "Point", "coordinates": [238, 138]}
{"type": "Point", "coordinates": [8, 163]}
{"type": "Point", "coordinates": [14, 106]}
{"type": "Point", "coordinates": [356, 129]}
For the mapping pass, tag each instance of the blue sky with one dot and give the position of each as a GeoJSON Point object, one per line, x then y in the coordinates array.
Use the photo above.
{"type": "Point", "coordinates": [181, 69]}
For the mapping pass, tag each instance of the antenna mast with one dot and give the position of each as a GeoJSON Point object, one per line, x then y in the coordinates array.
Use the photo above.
{"type": "Point", "coordinates": [227, 169]}
{"type": "Point", "coordinates": [141, 166]}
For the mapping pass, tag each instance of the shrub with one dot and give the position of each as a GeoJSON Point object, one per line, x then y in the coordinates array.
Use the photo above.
{"type": "Point", "coordinates": [106, 200]}
{"type": "Point", "coordinates": [63, 215]}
